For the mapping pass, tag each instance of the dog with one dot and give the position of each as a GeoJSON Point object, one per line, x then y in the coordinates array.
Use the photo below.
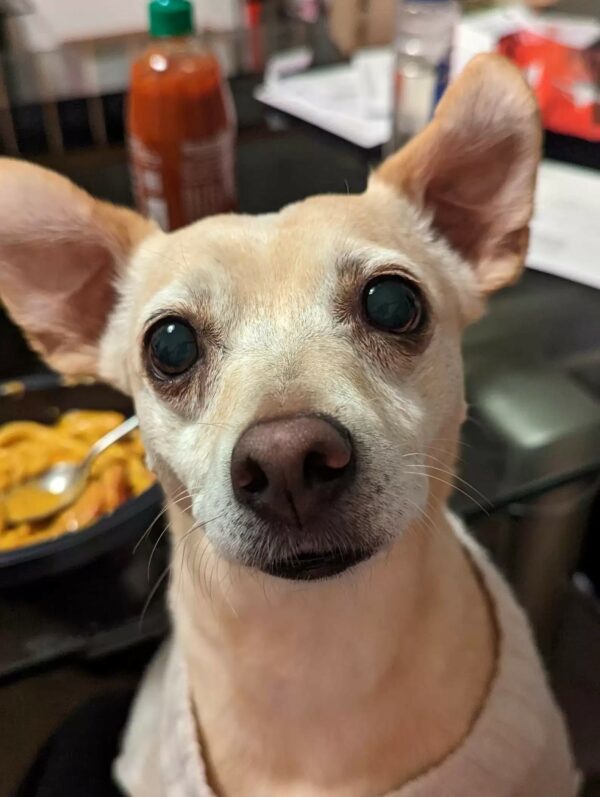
{"type": "Point", "coordinates": [299, 385]}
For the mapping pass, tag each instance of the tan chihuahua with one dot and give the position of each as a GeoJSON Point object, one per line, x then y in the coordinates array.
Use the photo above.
{"type": "Point", "coordinates": [299, 385]}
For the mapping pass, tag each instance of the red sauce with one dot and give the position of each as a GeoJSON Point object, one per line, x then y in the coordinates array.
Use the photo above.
{"type": "Point", "coordinates": [181, 133]}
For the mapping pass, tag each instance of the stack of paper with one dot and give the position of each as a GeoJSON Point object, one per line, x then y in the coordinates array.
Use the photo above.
{"type": "Point", "coordinates": [565, 236]}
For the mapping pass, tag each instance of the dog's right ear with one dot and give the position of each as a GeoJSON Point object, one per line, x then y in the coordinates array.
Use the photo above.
{"type": "Point", "coordinates": [61, 253]}
{"type": "Point", "coordinates": [472, 170]}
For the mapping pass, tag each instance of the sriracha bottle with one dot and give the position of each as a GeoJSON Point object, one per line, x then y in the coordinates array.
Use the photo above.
{"type": "Point", "coordinates": [181, 123]}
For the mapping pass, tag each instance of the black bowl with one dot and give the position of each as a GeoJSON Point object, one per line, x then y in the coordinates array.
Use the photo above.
{"type": "Point", "coordinates": [44, 398]}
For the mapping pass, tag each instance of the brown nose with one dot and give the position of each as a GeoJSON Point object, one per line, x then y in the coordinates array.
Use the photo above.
{"type": "Point", "coordinates": [293, 468]}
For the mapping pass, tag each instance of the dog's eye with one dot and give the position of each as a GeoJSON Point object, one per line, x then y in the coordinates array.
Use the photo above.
{"type": "Point", "coordinates": [391, 303]}
{"type": "Point", "coordinates": [172, 346]}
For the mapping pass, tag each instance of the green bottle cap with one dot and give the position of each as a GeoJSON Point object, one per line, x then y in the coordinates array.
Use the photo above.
{"type": "Point", "coordinates": [171, 18]}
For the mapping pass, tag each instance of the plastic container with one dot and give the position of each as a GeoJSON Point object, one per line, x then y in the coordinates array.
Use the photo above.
{"type": "Point", "coordinates": [181, 124]}
{"type": "Point", "coordinates": [423, 47]}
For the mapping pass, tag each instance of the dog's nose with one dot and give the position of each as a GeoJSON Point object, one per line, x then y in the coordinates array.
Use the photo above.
{"type": "Point", "coordinates": [292, 468]}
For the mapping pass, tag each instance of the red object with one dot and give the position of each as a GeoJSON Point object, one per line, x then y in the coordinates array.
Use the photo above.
{"type": "Point", "coordinates": [565, 80]}
{"type": "Point", "coordinates": [181, 129]}
{"type": "Point", "coordinates": [253, 13]}
{"type": "Point", "coordinates": [254, 9]}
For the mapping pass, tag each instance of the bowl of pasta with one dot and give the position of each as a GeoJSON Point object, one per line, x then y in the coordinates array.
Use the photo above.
{"type": "Point", "coordinates": [44, 420]}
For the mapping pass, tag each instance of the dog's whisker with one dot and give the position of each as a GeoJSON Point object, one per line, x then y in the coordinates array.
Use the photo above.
{"type": "Point", "coordinates": [154, 549]}
{"type": "Point", "coordinates": [200, 526]}
{"type": "Point", "coordinates": [203, 570]}
{"type": "Point", "coordinates": [180, 547]}
{"type": "Point", "coordinates": [152, 593]}
{"type": "Point", "coordinates": [185, 539]}
{"type": "Point", "coordinates": [429, 456]}
{"type": "Point", "coordinates": [163, 575]}
{"type": "Point", "coordinates": [188, 536]}
{"type": "Point", "coordinates": [162, 512]}
{"type": "Point", "coordinates": [441, 450]}
{"type": "Point", "coordinates": [453, 476]}
{"type": "Point", "coordinates": [453, 441]}
{"type": "Point", "coordinates": [191, 559]}
{"type": "Point", "coordinates": [194, 550]}
{"type": "Point", "coordinates": [422, 514]}
{"type": "Point", "coordinates": [156, 544]}
{"type": "Point", "coordinates": [215, 424]}
{"type": "Point", "coordinates": [182, 558]}
{"type": "Point", "coordinates": [453, 486]}
{"type": "Point", "coordinates": [199, 565]}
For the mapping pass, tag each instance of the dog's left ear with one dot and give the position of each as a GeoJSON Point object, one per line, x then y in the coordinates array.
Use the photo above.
{"type": "Point", "coordinates": [61, 255]}
{"type": "Point", "coordinates": [473, 168]}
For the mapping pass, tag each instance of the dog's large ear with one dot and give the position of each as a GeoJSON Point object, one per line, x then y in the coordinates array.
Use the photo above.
{"type": "Point", "coordinates": [473, 168]}
{"type": "Point", "coordinates": [61, 252]}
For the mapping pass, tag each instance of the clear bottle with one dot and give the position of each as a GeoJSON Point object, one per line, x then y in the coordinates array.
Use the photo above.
{"type": "Point", "coordinates": [181, 123]}
{"type": "Point", "coordinates": [423, 47]}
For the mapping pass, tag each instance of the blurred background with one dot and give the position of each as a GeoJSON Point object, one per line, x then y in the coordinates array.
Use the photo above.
{"type": "Point", "coordinates": [310, 95]}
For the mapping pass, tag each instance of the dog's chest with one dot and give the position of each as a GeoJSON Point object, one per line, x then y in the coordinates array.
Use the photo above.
{"type": "Point", "coordinates": [518, 746]}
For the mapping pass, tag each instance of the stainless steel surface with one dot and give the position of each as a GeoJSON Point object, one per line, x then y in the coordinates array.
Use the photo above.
{"type": "Point", "coordinates": [537, 543]}
{"type": "Point", "coordinates": [547, 424]}
{"type": "Point", "coordinates": [547, 537]}
{"type": "Point", "coordinates": [66, 480]}
{"type": "Point", "coordinates": [532, 443]}
{"type": "Point", "coordinates": [532, 371]}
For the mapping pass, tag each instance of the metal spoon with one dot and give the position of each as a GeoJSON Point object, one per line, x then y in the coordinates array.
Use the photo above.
{"type": "Point", "coordinates": [61, 484]}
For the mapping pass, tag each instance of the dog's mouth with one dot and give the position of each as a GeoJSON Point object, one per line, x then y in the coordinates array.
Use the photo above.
{"type": "Point", "coordinates": [315, 565]}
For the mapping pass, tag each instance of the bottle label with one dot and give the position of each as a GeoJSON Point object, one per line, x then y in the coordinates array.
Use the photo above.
{"type": "Point", "coordinates": [208, 176]}
{"type": "Point", "coordinates": [197, 180]}
{"type": "Point", "coordinates": [147, 182]}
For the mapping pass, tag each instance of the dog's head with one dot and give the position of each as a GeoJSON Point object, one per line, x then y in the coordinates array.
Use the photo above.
{"type": "Point", "coordinates": [297, 375]}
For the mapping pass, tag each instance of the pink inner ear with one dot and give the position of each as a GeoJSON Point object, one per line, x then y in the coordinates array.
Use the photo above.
{"type": "Point", "coordinates": [61, 292]}
{"type": "Point", "coordinates": [473, 186]}
{"type": "Point", "coordinates": [60, 251]}
{"type": "Point", "coordinates": [473, 168]}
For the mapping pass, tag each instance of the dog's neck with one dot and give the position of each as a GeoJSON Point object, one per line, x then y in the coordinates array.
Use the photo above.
{"type": "Point", "coordinates": [344, 687]}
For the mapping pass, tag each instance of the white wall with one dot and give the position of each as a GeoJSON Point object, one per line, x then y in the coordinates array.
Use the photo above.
{"type": "Point", "coordinates": [54, 22]}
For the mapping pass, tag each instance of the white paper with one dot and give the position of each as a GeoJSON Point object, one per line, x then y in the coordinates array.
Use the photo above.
{"type": "Point", "coordinates": [565, 238]}
{"type": "Point", "coordinates": [287, 63]}
{"type": "Point", "coordinates": [331, 99]}
{"type": "Point", "coordinates": [374, 70]}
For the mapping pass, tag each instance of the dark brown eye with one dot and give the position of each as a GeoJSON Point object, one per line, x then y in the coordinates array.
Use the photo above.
{"type": "Point", "coordinates": [391, 303]}
{"type": "Point", "coordinates": [172, 346]}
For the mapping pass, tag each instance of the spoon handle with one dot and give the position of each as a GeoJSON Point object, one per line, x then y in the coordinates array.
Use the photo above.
{"type": "Point", "coordinates": [111, 437]}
